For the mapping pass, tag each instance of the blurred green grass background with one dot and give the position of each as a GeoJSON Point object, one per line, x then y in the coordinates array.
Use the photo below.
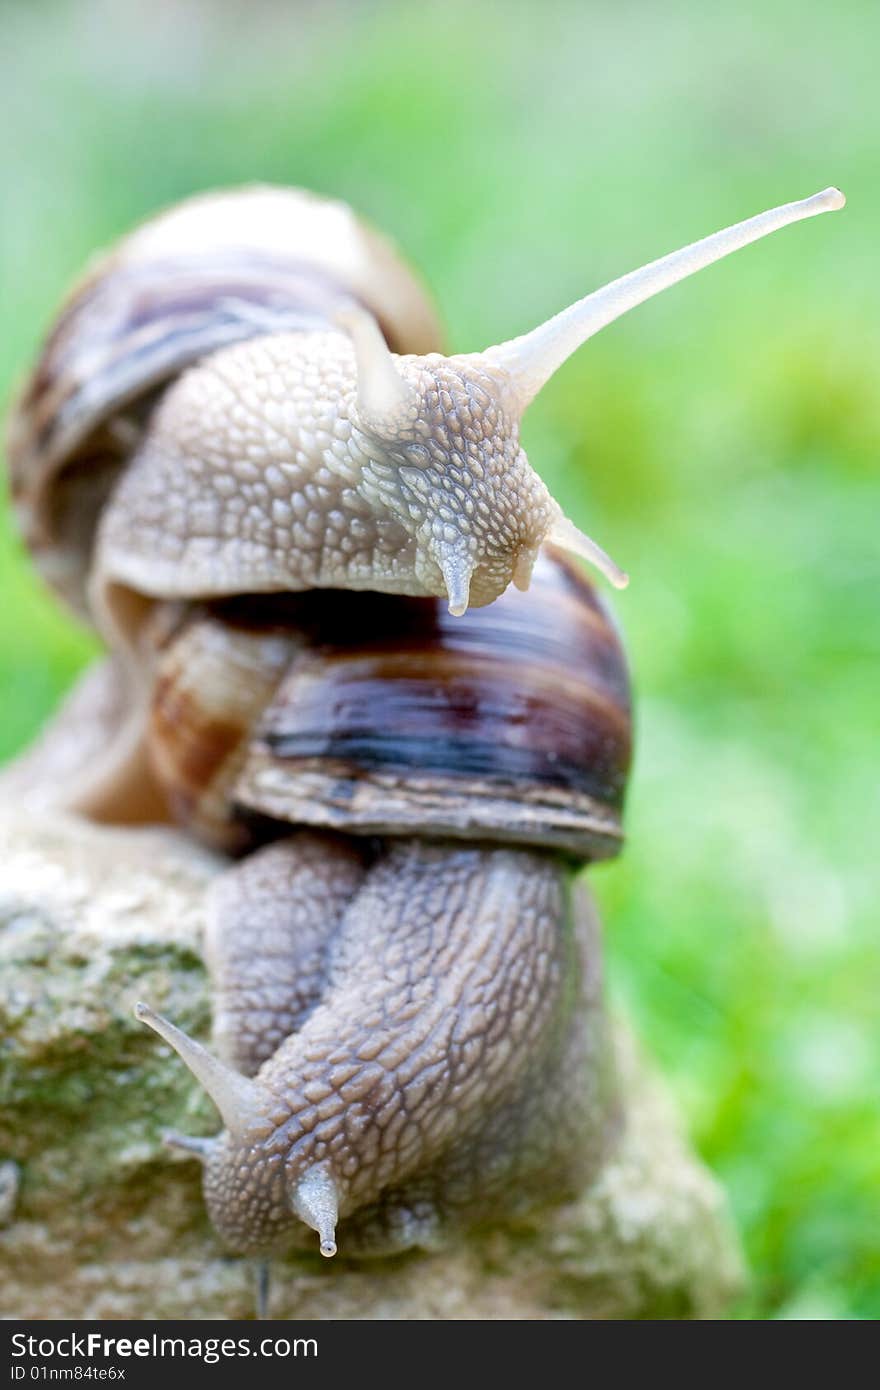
{"type": "Point", "coordinates": [722, 442]}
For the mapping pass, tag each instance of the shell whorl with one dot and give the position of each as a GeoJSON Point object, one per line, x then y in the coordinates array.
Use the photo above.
{"type": "Point", "coordinates": [372, 714]}
{"type": "Point", "coordinates": [211, 681]}
{"type": "Point", "coordinates": [511, 723]}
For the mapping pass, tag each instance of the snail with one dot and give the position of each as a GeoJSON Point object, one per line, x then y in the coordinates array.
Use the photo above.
{"type": "Point", "coordinates": [295, 521]}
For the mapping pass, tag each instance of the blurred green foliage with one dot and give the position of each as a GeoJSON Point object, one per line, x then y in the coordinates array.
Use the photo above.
{"type": "Point", "coordinates": [722, 442]}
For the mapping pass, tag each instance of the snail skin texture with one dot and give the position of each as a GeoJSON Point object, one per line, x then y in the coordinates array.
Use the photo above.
{"type": "Point", "coordinates": [296, 522]}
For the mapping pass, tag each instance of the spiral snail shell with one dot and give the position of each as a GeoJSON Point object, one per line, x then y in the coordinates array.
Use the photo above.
{"type": "Point", "coordinates": [295, 523]}
{"type": "Point", "coordinates": [385, 716]}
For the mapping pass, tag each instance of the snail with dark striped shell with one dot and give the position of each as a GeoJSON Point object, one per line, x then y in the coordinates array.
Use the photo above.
{"type": "Point", "coordinates": [295, 522]}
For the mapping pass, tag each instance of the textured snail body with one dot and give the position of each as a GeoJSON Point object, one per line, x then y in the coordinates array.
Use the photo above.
{"type": "Point", "coordinates": [255, 477]}
{"type": "Point", "coordinates": [444, 1062]}
{"type": "Point", "coordinates": [243, 454]}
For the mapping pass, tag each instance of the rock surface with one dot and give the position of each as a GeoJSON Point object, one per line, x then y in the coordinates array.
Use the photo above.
{"type": "Point", "coordinates": [98, 1220]}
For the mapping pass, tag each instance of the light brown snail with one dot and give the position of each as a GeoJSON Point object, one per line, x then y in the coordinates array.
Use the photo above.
{"type": "Point", "coordinates": [295, 522]}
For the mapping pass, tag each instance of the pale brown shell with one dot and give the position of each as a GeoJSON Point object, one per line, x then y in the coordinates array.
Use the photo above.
{"type": "Point", "coordinates": [214, 270]}
{"type": "Point", "coordinates": [510, 724]}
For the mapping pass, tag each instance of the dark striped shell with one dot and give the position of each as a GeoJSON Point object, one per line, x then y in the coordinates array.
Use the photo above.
{"type": "Point", "coordinates": [509, 724]}
{"type": "Point", "coordinates": [214, 270]}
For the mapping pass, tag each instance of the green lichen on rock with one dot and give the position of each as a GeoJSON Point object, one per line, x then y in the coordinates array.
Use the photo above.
{"type": "Point", "coordinates": [99, 1220]}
